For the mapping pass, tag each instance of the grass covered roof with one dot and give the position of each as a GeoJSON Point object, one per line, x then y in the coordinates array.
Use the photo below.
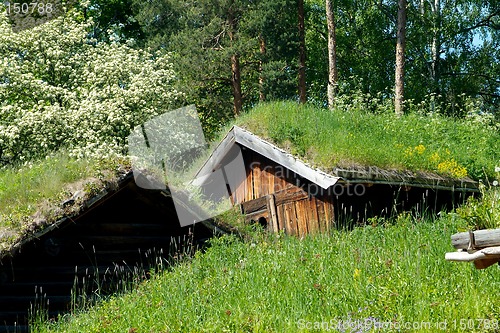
{"type": "Point", "coordinates": [354, 140]}
{"type": "Point", "coordinates": [336, 141]}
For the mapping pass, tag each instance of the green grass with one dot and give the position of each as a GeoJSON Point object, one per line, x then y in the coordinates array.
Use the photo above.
{"type": "Point", "coordinates": [484, 212]}
{"type": "Point", "coordinates": [388, 273]}
{"type": "Point", "coordinates": [40, 187]}
{"type": "Point", "coordinates": [352, 137]}
{"type": "Point", "coordinates": [394, 272]}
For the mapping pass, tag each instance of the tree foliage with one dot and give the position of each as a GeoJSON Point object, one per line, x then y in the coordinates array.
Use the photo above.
{"type": "Point", "coordinates": [452, 57]}
{"type": "Point", "coordinates": [205, 35]}
{"type": "Point", "coordinates": [60, 88]}
{"type": "Point", "coordinates": [463, 68]}
{"type": "Point", "coordinates": [85, 79]}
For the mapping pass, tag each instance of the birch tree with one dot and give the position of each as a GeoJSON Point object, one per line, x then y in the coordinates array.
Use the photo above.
{"type": "Point", "coordinates": [332, 54]}
{"type": "Point", "coordinates": [400, 58]}
{"type": "Point", "coordinates": [302, 52]}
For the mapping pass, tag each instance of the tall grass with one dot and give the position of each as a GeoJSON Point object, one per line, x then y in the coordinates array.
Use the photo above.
{"type": "Point", "coordinates": [38, 186]}
{"type": "Point", "coordinates": [394, 273]}
{"type": "Point", "coordinates": [21, 188]}
{"type": "Point", "coordinates": [352, 137]}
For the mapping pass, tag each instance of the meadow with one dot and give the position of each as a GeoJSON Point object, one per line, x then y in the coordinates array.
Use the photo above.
{"type": "Point", "coordinates": [390, 275]}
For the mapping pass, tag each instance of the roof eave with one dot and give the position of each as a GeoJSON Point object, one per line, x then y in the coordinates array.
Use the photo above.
{"type": "Point", "coordinates": [238, 135]}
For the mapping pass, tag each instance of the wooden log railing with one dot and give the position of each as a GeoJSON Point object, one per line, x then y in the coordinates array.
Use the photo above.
{"type": "Point", "coordinates": [481, 247]}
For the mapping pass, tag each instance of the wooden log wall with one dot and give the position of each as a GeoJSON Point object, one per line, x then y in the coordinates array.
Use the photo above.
{"type": "Point", "coordinates": [299, 211]}
{"type": "Point", "coordinates": [359, 201]}
{"type": "Point", "coordinates": [302, 207]}
{"type": "Point", "coordinates": [119, 239]}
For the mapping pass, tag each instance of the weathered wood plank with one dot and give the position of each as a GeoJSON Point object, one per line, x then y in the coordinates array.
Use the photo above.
{"type": "Point", "coordinates": [264, 178]}
{"type": "Point", "coordinates": [286, 222]}
{"type": "Point", "coordinates": [321, 215]}
{"type": "Point", "coordinates": [301, 217]}
{"type": "Point", "coordinates": [298, 220]}
{"type": "Point", "coordinates": [308, 216]}
{"type": "Point", "coordinates": [282, 197]}
{"type": "Point", "coordinates": [482, 239]}
{"type": "Point", "coordinates": [270, 179]}
{"type": "Point", "coordinates": [328, 212]}
{"type": "Point", "coordinates": [257, 177]}
{"type": "Point", "coordinates": [313, 216]}
{"type": "Point", "coordinates": [254, 205]}
{"type": "Point", "coordinates": [296, 215]}
{"type": "Point", "coordinates": [255, 216]}
{"type": "Point", "coordinates": [281, 217]}
{"type": "Point", "coordinates": [279, 182]}
{"type": "Point", "coordinates": [290, 195]}
{"type": "Point", "coordinates": [245, 187]}
{"type": "Point", "coordinates": [291, 219]}
{"type": "Point", "coordinates": [249, 185]}
{"type": "Point", "coordinates": [271, 206]}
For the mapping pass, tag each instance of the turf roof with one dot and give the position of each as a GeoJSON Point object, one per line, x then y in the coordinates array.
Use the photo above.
{"type": "Point", "coordinates": [352, 144]}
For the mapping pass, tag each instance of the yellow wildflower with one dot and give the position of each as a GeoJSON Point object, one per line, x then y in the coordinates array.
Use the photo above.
{"type": "Point", "coordinates": [408, 152]}
{"type": "Point", "coordinates": [453, 168]}
{"type": "Point", "coordinates": [420, 149]}
{"type": "Point", "coordinates": [434, 158]}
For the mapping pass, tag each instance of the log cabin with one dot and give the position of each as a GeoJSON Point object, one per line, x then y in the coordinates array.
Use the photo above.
{"type": "Point", "coordinates": [117, 235]}
{"type": "Point", "coordinates": [125, 230]}
{"type": "Point", "coordinates": [283, 193]}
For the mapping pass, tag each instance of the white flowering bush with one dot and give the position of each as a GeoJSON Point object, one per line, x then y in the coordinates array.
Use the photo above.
{"type": "Point", "coordinates": [61, 89]}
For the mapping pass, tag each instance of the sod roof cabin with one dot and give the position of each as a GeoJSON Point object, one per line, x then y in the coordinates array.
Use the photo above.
{"type": "Point", "coordinates": [281, 192]}
{"type": "Point", "coordinates": [123, 228]}
{"type": "Point", "coordinates": [104, 241]}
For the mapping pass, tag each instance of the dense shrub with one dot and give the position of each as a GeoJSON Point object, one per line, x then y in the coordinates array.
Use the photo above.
{"type": "Point", "coordinates": [59, 88]}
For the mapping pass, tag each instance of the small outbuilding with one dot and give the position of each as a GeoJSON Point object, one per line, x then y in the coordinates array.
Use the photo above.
{"type": "Point", "coordinates": [112, 238]}
{"type": "Point", "coordinates": [283, 193]}
{"type": "Point", "coordinates": [124, 230]}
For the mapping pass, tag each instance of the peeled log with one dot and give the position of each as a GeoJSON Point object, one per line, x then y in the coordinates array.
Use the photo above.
{"type": "Point", "coordinates": [481, 239]}
{"type": "Point", "coordinates": [487, 253]}
{"type": "Point", "coordinates": [482, 259]}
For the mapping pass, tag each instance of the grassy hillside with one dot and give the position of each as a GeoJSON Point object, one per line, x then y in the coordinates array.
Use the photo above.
{"type": "Point", "coordinates": [392, 274]}
{"type": "Point", "coordinates": [351, 137]}
{"type": "Point", "coordinates": [345, 137]}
